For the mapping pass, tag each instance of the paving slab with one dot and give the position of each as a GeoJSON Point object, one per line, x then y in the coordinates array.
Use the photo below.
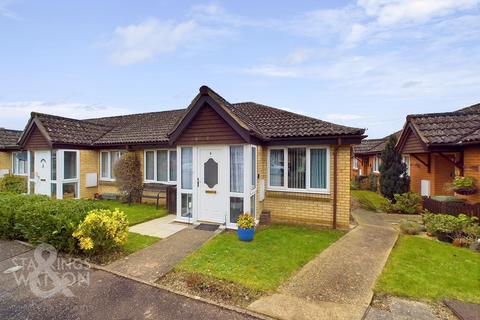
{"type": "Point", "coordinates": [162, 227]}
{"type": "Point", "coordinates": [340, 279]}
{"type": "Point", "coordinates": [463, 310]}
{"type": "Point", "coordinates": [10, 249]}
{"type": "Point", "coordinates": [156, 260]}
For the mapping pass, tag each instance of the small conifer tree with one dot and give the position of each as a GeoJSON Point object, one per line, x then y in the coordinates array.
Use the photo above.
{"type": "Point", "coordinates": [393, 171]}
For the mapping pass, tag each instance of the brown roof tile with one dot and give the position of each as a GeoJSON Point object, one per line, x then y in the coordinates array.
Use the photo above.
{"type": "Point", "coordinates": [373, 146]}
{"type": "Point", "coordinates": [9, 138]}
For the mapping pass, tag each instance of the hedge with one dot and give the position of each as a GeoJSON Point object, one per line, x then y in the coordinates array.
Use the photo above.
{"type": "Point", "coordinates": [37, 219]}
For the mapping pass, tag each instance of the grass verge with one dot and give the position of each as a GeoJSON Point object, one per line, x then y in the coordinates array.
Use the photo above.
{"type": "Point", "coordinates": [137, 213]}
{"type": "Point", "coordinates": [430, 270]}
{"type": "Point", "coordinates": [263, 264]}
{"type": "Point", "coordinates": [368, 200]}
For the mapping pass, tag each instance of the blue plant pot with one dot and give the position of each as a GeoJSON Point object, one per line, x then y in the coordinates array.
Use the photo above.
{"type": "Point", "coordinates": [245, 234]}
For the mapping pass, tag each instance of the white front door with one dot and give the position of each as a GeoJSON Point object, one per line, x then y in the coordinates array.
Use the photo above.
{"type": "Point", "coordinates": [212, 184]}
{"type": "Point", "coordinates": [42, 172]}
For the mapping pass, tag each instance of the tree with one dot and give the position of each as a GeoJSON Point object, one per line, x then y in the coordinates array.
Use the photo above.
{"type": "Point", "coordinates": [128, 176]}
{"type": "Point", "coordinates": [393, 172]}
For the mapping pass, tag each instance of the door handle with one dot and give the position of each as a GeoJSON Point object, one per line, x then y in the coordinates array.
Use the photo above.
{"type": "Point", "coordinates": [43, 180]}
{"type": "Point", "coordinates": [198, 182]}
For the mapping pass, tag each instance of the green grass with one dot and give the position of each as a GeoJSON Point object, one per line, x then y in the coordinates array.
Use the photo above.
{"type": "Point", "coordinates": [430, 270]}
{"type": "Point", "coordinates": [368, 199]}
{"type": "Point", "coordinates": [137, 242]}
{"type": "Point", "coordinates": [263, 264]}
{"type": "Point", "coordinates": [137, 213]}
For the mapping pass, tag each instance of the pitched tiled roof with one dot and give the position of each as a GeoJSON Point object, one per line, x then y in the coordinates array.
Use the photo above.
{"type": "Point", "coordinates": [449, 127]}
{"type": "Point", "coordinates": [154, 127]}
{"type": "Point", "coordinates": [9, 138]}
{"type": "Point", "coordinates": [71, 131]}
{"type": "Point", "coordinates": [372, 146]}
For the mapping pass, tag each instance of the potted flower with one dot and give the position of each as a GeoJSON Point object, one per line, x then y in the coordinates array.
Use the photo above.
{"type": "Point", "coordinates": [245, 227]}
{"type": "Point", "coordinates": [463, 185]}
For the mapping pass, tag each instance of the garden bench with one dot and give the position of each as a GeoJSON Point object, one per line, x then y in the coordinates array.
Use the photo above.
{"type": "Point", "coordinates": [157, 190]}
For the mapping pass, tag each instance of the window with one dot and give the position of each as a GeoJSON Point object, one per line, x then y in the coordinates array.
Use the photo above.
{"type": "Point", "coordinates": [70, 165]}
{"type": "Point", "coordinates": [252, 205]}
{"type": "Point", "coordinates": [406, 160]}
{"type": "Point", "coordinates": [108, 159]}
{"type": "Point", "coordinates": [186, 210]}
{"type": "Point", "coordinates": [306, 168]}
{"type": "Point", "coordinates": [32, 165]}
{"type": "Point", "coordinates": [186, 169]}
{"type": "Point", "coordinates": [236, 169]}
{"type": "Point", "coordinates": [53, 163]}
{"type": "Point", "coordinates": [161, 166]}
{"type": "Point", "coordinates": [376, 164]}
{"type": "Point", "coordinates": [236, 208]}
{"type": "Point", "coordinates": [20, 161]}
{"type": "Point", "coordinates": [355, 163]}
{"type": "Point", "coordinates": [276, 167]}
{"type": "Point", "coordinates": [254, 167]}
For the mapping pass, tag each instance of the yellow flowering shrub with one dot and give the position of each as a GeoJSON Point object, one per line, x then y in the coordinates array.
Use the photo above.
{"type": "Point", "coordinates": [102, 230]}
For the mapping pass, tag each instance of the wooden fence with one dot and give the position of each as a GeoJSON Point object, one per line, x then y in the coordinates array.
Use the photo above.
{"type": "Point", "coordinates": [452, 207]}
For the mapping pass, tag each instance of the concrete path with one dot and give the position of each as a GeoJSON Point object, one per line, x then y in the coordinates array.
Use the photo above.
{"type": "Point", "coordinates": [101, 295]}
{"type": "Point", "coordinates": [338, 283]}
{"type": "Point", "coordinates": [156, 260]}
{"type": "Point", "coordinates": [162, 227]}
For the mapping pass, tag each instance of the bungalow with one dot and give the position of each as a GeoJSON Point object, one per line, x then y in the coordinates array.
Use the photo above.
{"type": "Point", "coordinates": [442, 146]}
{"type": "Point", "coordinates": [224, 159]}
{"type": "Point", "coordinates": [8, 146]}
{"type": "Point", "coordinates": [366, 156]}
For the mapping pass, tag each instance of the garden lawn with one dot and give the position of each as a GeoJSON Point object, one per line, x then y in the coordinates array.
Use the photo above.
{"type": "Point", "coordinates": [263, 264]}
{"type": "Point", "coordinates": [137, 242]}
{"type": "Point", "coordinates": [136, 213]}
{"type": "Point", "coordinates": [427, 269]}
{"type": "Point", "coordinates": [368, 199]}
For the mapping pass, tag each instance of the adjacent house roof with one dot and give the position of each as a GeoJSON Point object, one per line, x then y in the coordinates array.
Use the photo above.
{"type": "Point", "coordinates": [9, 138]}
{"type": "Point", "coordinates": [444, 129]}
{"type": "Point", "coordinates": [373, 146]}
{"type": "Point", "coordinates": [259, 121]}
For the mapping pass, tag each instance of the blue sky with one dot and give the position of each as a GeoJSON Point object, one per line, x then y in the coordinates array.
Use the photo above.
{"type": "Point", "coordinates": [365, 63]}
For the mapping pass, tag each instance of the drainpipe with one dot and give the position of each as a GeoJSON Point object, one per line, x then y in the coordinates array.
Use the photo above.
{"type": "Point", "coordinates": [335, 182]}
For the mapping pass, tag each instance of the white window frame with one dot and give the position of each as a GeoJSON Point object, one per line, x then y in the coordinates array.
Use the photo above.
{"type": "Point", "coordinates": [407, 162]}
{"type": "Point", "coordinates": [355, 164]}
{"type": "Point", "coordinates": [376, 164]}
{"type": "Point", "coordinates": [193, 191]}
{"type": "Point", "coordinates": [155, 166]}
{"type": "Point", "coordinates": [308, 189]}
{"type": "Point", "coordinates": [109, 163]}
{"type": "Point", "coordinates": [15, 163]}
{"type": "Point", "coordinates": [61, 172]}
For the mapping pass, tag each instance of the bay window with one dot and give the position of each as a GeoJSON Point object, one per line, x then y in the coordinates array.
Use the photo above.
{"type": "Point", "coordinates": [20, 163]}
{"type": "Point", "coordinates": [305, 169]}
{"type": "Point", "coordinates": [108, 159]}
{"type": "Point", "coordinates": [161, 166]}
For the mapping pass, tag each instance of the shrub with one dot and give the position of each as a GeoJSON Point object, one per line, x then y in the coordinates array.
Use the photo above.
{"type": "Point", "coordinates": [410, 227]}
{"type": "Point", "coordinates": [39, 219]}
{"type": "Point", "coordinates": [463, 185]}
{"type": "Point", "coordinates": [393, 172]}
{"type": "Point", "coordinates": [407, 203]}
{"type": "Point", "coordinates": [102, 230]}
{"type": "Point", "coordinates": [461, 227]}
{"type": "Point", "coordinates": [245, 221]}
{"type": "Point", "coordinates": [13, 184]}
{"type": "Point", "coordinates": [128, 177]}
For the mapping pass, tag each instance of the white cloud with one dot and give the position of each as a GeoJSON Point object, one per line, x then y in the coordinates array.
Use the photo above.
{"type": "Point", "coordinates": [300, 55]}
{"type": "Point", "coordinates": [269, 70]}
{"type": "Point", "coordinates": [16, 114]}
{"type": "Point", "coordinates": [152, 38]}
{"type": "Point", "coordinates": [5, 11]}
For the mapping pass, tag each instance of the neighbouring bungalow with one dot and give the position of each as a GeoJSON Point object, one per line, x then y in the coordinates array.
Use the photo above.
{"type": "Point", "coordinates": [8, 148]}
{"type": "Point", "coordinates": [367, 156]}
{"type": "Point", "coordinates": [224, 159]}
{"type": "Point", "coordinates": [442, 146]}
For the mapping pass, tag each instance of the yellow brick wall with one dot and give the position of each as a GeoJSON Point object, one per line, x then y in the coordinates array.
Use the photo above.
{"type": "Point", "coordinates": [308, 208]}
{"type": "Point", "coordinates": [6, 160]}
{"type": "Point", "coordinates": [89, 163]}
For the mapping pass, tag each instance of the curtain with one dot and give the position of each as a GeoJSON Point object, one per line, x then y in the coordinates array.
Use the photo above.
{"type": "Point", "coordinates": [236, 169]}
{"type": "Point", "coordinates": [162, 165]}
{"type": "Point", "coordinates": [318, 168]}
{"type": "Point", "coordinates": [70, 165]}
{"type": "Point", "coordinates": [173, 165]}
{"type": "Point", "coordinates": [276, 168]}
{"type": "Point", "coordinates": [149, 165]}
{"type": "Point", "coordinates": [297, 168]}
{"type": "Point", "coordinates": [254, 167]}
{"type": "Point", "coordinates": [187, 159]}
{"type": "Point", "coordinates": [105, 173]}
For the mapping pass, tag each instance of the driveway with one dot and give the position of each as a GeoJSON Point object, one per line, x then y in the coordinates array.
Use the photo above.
{"type": "Point", "coordinates": [101, 295]}
{"type": "Point", "coordinates": [338, 283]}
